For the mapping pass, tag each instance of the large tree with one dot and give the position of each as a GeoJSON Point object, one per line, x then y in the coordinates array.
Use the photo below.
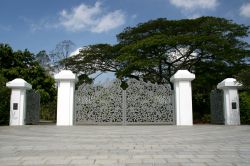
{"type": "Point", "coordinates": [155, 50]}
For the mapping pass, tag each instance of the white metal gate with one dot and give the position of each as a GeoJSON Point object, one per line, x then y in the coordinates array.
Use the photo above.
{"type": "Point", "coordinates": [140, 103]}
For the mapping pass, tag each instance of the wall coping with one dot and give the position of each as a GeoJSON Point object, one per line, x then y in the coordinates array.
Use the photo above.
{"type": "Point", "coordinates": [182, 75]}
{"type": "Point", "coordinates": [19, 83]}
{"type": "Point", "coordinates": [229, 83]}
{"type": "Point", "coordinates": [66, 75]}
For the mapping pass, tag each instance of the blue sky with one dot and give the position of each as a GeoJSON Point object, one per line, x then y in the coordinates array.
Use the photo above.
{"type": "Point", "coordinates": [41, 24]}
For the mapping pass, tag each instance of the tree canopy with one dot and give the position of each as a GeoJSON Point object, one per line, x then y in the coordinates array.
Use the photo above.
{"type": "Point", "coordinates": [22, 64]}
{"type": "Point", "coordinates": [157, 49]}
{"type": "Point", "coordinates": [93, 58]}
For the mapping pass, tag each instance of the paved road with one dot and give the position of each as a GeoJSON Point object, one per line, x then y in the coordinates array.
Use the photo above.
{"type": "Point", "coordinates": [201, 145]}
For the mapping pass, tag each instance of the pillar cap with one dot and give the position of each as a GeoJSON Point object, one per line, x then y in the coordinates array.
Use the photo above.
{"type": "Point", "coordinates": [19, 83]}
{"type": "Point", "coordinates": [182, 75]}
{"type": "Point", "coordinates": [66, 75]}
{"type": "Point", "coordinates": [229, 83]}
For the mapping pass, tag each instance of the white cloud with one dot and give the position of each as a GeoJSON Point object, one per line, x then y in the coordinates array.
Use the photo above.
{"type": "Point", "coordinates": [245, 10]}
{"type": "Point", "coordinates": [109, 21]}
{"type": "Point", "coordinates": [92, 18]}
{"type": "Point", "coordinates": [80, 17]}
{"type": "Point", "coordinates": [195, 4]}
{"type": "Point", "coordinates": [194, 8]}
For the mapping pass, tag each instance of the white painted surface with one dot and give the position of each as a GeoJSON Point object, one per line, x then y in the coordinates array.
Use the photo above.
{"type": "Point", "coordinates": [18, 95]}
{"type": "Point", "coordinates": [15, 114]}
{"type": "Point", "coordinates": [183, 97]}
{"type": "Point", "coordinates": [65, 97]}
{"type": "Point", "coordinates": [230, 91]}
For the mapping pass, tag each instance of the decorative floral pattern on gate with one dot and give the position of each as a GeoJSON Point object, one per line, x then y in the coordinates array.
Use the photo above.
{"type": "Point", "coordinates": [149, 103]}
{"type": "Point", "coordinates": [97, 104]}
{"type": "Point", "coordinates": [140, 103]}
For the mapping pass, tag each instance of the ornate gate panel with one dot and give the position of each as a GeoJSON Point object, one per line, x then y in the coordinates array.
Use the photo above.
{"type": "Point", "coordinates": [148, 103]}
{"type": "Point", "coordinates": [140, 103]}
{"type": "Point", "coordinates": [98, 105]}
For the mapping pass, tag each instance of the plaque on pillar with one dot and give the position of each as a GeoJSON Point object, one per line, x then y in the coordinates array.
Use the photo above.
{"type": "Point", "coordinates": [15, 106]}
{"type": "Point", "coordinates": [234, 105]}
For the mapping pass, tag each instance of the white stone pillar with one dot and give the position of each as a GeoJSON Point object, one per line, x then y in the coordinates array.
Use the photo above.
{"type": "Point", "coordinates": [65, 97]}
{"type": "Point", "coordinates": [183, 97]}
{"type": "Point", "coordinates": [18, 101]}
{"type": "Point", "coordinates": [231, 101]}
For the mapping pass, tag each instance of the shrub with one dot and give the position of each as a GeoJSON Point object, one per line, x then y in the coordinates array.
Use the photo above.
{"type": "Point", "coordinates": [245, 107]}
{"type": "Point", "coordinates": [4, 102]}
